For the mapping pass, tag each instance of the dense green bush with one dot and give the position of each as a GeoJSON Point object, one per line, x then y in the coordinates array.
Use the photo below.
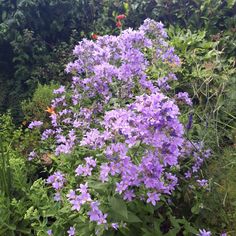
{"type": "Point", "coordinates": [35, 108]}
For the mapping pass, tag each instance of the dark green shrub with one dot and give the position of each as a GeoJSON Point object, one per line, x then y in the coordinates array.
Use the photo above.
{"type": "Point", "coordinates": [34, 109]}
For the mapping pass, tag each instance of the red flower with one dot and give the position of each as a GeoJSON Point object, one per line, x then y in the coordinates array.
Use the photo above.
{"type": "Point", "coordinates": [118, 24]}
{"type": "Point", "coordinates": [94, 36]}
{"type": "Point", "coordinates": [121, 17]}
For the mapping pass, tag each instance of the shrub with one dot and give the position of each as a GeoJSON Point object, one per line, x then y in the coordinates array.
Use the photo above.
{"type": "Point", "coordinates": [120, 149]}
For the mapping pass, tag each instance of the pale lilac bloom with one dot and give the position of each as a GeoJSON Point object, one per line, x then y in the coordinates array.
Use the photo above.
{"type": "Point", "coordinates": [184, 97]}
{"type": "Point", "coordinates": [49, 232]}
{"type": "Point", "coordinates": [153, 198]}
{"type": "Point", "coordinates": [188, 175]}
{"type": "Point", "coordinates": [115, 226]}
{"type": "Point", "coordinates": [83, 188]}
{"type": "Point", "coordinates": [57, 180]}
{"type": "Point", "coordinates": [104, 172]}
{"type": "Point", "coordinates": [71, 231]}
{"type": "Point", "coordinates": [203, 182]}
{"type": "Point", "coordinates": [47, 133]}
{"type": "Point", "coordinates": [83, 170]}
{"type": "Point", "coordinates": [76, 204]}
{"type": "Point", "coordinates": [84, 197]}
{"type": "Point", "coordinates": [79, 170]}
{"type": "Point", "coordinates": [57, 197]}
{"type": "Point", "coordinates": [35, 124]}
{"type": "Point", "coordinates": [95, 214]}
{"type": "Point", "coordinates": [53, 120]}
{"type": "Point", "coordinates": [32, 155]}
{"type": "Point", "coordinates": [203, 232]}
{"type": "Point", "coordinates": [59, 90]}
{"type": "Point", "coordinates": [71, 195]}
{"type": "Point", "coordinates": [90, 161]}
{"type": "Point", "coordinates": [129, 195]}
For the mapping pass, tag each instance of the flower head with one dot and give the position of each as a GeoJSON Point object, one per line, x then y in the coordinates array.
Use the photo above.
{"type": "Point", "coordinates": [71, 231]}
{"type": "Point", "coordinates": [94, 36]}
{"type": "Point", "coordinates": [118, 24]}
{"type": "Point", "coordinates": [203, 232]}
{"type": "Point", "coordinates": [121, 17]}
{"type": "Point", "coordinates": [51, 110]}
{"type": "Point", "coordinates": [35, 124]}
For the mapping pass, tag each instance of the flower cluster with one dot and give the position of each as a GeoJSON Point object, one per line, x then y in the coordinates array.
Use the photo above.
{"type": "Point", "coordinates": [87, 169]}
{"type": "Point", "coordinates": [57, 180]}
{"type": "Point", "coordinates": [197, 153]}
{"type": "Point", "coordinates": [112, 69]}
{"type": "Point", "coordinates": [35, 124]}
{"type": "Point", "coordinates": [151, 123]}
{"type": "Point", "coordinates": [115, 107]}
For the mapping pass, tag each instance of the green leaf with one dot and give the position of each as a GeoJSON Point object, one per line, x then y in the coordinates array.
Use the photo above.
{"type": "Point", "coordinates": [11, 227]}
{"type": "Point", "coordinates": [119, 207]}
{"type": "Point", "coordinates": [24, 230]}
{"type": "Point", "coordinates": [172, 232]}
{"type": "Point", "coordinates": [132, 218]}
{"type": "Point", "coordinates": [98, 185]}
{"type": "Point", "coordinates": [195, 209]}
{"type": "Point", "coordinates": [231, 3]}
{"type": "Point", "coordinates": [4, 15]}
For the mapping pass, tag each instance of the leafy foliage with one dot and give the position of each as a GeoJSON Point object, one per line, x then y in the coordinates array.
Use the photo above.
{"type": "Point", "coordinates": [34, 109]}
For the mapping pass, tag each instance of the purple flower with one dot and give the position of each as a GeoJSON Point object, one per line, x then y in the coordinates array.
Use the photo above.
{"type": "Point", "coordinates": [83, 170]}
{"type": "Point", "coordinates": [83, 188]}
{"type": "Point", "coordinates": [57, 197]}
{"type": "Point", "coordinates": [190, 121]}
{"type": "Point", "coordinates": [47, 133]}
{"type": "Point", "coordinates": [184, 97]}
{"type": "Point", "coordinates": [115, 226]}
{"type": "Point", "coordinates": [71, 194]}
{"type": "Point", "coordinates": [129, 195]}
{"type": "Point", "coordinates": [153, 198]}
{"type": "Point", "coordinates": [105, 170]}
{"type": "Point", "coordinates": [90, 161]}
{"type": "Point", "coordinates": [203, 182]}
{"type": "Point", "coordinates": [59, 90]}
{"type": "Point", "coordinates": [57, 180]}
{"type": "Point", "coordinates": [170, 57]}
{"type": "Point", "coordinates": [188, 175]}
{"type": "Point", "coordinates": [35, 124]}
{"type": "Point", "coordinates": [203, 232]}
{"type": "Point", "coordinates": [49, 232]}
{"type": "Point", "coordinates": [32, 155]}
{"type": "Point", "coordinates": [96, 215]}
{"type": "Point", "coordinates": [71, 231]}
{"type": "Point", "coordinates": [76, 204]}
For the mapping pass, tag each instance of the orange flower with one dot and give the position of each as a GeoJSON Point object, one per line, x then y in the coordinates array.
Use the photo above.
{"type": "Point", "coordinates": [121, 17]}
{"type": "Point", "coordinates": [51, 110]}
{"type": "Point", "coordinates": [118, 24]}
{"type": "Point", "coordinates": [94, 36]}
